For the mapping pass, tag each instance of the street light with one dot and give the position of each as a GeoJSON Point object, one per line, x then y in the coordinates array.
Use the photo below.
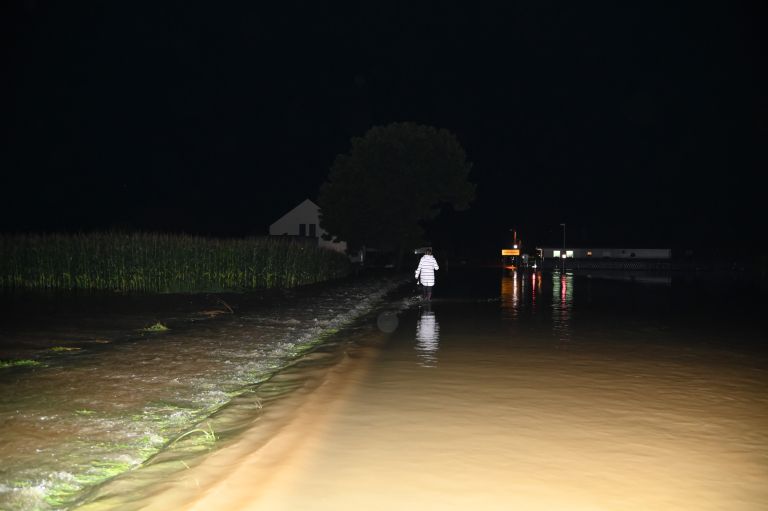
{"type": "Point", "coordinates": [563, 254]}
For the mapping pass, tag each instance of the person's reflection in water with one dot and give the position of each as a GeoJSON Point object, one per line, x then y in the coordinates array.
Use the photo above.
{"type": "Point", "coordinates": [427, 338]}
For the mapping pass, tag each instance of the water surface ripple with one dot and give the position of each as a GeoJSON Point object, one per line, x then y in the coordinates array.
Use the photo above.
{"type": "Point", "coordinates": [107, 396]}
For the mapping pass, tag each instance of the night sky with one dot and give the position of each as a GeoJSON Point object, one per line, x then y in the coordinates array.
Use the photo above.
{"type": "Point", "coordinates": [638, 126]}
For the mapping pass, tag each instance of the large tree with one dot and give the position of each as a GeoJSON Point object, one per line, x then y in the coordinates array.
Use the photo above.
{"type": "Point", "coordinates": [392, 180]}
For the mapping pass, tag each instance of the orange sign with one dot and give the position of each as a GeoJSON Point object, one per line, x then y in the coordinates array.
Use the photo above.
{"type": "Point", "coordinates": [510, 251]}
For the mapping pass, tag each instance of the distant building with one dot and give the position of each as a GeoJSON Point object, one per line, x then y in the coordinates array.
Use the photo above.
{"type": "Point", "coordinates": [606, 253]}
{"type": "Point", "coordinates": [304, 221]}
{"type": "Point", "coordinates": [605, 258]}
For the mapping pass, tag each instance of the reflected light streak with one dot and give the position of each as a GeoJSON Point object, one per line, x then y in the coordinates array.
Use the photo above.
{"type": "Point", "coordinates": [535, 287]}
{"type": "Point", "coordinates": [510, 297]}
{"type": "Point", "coordinates": [427, 338]}
{"type": "Point", "coordinates": [562, 303]}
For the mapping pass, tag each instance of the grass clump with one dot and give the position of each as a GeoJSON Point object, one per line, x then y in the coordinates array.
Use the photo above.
{"type": "Point", "coordinates": [157, 327]}
{"type": "Point", "coordinates": [19, 363]}
{"type": "Point", "coordinates": [65, 491]}
{"type": "Point", "coordinates": [208, 436]}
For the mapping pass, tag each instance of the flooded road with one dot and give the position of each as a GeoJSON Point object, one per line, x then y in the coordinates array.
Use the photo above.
{"type": "Point", "coordinates": [507, 391]}
{"type": "Point", "coordinates": [519, 391]}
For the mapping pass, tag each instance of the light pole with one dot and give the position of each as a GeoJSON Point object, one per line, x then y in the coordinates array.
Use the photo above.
{"type": "Point", "coordinates": [562, 255]}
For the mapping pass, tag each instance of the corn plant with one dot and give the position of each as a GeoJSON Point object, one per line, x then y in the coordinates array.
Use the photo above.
{"type": "Point", "coordinates": [162, 263]}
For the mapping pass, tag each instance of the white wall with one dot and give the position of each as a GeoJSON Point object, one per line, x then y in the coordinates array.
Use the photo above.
{"type": "Point", "coordinates": [305, 213]}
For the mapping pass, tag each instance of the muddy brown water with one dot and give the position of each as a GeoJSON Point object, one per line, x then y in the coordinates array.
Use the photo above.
{"type": "Point", "coordinates": [571, 393]}
{"type": "Point", "coordinates": [510, 390]}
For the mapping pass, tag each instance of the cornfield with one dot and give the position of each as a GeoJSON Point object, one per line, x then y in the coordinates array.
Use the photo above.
{"type": "Point", "coordinates": [162, 263]}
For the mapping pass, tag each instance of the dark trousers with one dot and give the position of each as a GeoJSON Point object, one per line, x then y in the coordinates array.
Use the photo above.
{"type": "Point", "coordinates": [426, 292]}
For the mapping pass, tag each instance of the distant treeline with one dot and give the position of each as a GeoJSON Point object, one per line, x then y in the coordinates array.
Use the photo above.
{"type": "Point", "coordinates": [162, 263]}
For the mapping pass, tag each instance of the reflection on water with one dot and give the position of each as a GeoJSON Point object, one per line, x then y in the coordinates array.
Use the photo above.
{"type": "Point", "coordinates": [520, 291]}
{"type": "Point", "coordinates": [562, 304]}
{"type": "Point", "coordinates": [510, 294]}
{"type": "Point", "coordinates": [515, 286]}
{"type": "Point", "coordinates": [535, 289]}
{"type": "Point", "coordinates": [427, 338]}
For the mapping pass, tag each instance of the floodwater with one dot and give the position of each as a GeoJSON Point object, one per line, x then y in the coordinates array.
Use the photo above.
{"type": "Point", "coordinates": [510, 390]}
{"type": "Point", "coordinates": [105, 394]}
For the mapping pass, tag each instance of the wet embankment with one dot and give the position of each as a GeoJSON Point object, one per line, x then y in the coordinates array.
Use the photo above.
{"type": "Point", "coordinates": [106, 394]}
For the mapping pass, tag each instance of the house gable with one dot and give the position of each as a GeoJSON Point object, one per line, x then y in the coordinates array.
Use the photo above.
{"type": "Point", "coordinates": [307, 214]}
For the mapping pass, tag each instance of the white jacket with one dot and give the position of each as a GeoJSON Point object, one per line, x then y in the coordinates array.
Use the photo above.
{"type": "Point", "coordinates": [426, 270]}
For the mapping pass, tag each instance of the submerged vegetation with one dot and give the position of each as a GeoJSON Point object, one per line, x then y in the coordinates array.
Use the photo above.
{"type": "Point", "coordinates": [208, 436]}
{"type": "Point", "coordinates": [161, 263]}
{"type": "Point", "coordinates": [19, 363]}
{"type": "Point", "coordinates": [157, 327]}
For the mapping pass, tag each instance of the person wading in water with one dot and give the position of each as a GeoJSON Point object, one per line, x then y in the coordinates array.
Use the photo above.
{"type": "Point", "coordinates": [425, 273]}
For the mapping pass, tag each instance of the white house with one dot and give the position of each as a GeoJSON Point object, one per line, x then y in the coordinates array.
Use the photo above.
{"type": "Point", "coordinates": [304, 221]}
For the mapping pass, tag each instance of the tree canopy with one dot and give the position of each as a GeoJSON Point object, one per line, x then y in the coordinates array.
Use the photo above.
{"type": "Point", "coordinates": [394, 178]}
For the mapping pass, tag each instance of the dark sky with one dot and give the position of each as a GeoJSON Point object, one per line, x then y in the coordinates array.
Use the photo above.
{"type": "Point", "coordinates": [635, 125]}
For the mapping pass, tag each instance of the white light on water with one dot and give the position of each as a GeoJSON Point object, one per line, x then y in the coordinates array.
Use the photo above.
{"type": "Point", "coordinates": [427, 338]}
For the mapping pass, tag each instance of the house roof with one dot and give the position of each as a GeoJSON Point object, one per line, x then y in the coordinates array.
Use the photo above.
{"type": "Point", "coordinates": [305, 203]}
